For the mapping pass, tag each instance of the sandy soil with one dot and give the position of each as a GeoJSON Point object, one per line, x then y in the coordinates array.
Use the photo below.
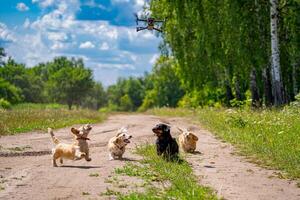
{"type": "Point", "coordinates": [26, 171]}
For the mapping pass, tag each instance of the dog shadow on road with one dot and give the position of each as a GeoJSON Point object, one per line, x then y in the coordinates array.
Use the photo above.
{"type": "Point", "coordinates": [196, 152]}
{"type": "Point", "coordinates": [80, 166]}
{"type": "Point", "coordinates": [127, 159]}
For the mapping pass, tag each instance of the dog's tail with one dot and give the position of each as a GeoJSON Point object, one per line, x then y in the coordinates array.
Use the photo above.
{"type": "Point", "coordinates": [54, 139]}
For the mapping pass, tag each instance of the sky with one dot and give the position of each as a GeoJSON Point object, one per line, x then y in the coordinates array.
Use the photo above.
{"type": "Point", "coordinates": [101, 32]}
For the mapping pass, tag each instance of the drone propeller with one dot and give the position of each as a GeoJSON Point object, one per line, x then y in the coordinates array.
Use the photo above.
{"type": "Point", "coordinates": [136, 19]}
{"type": "Point", "coordinates": [158, 20]}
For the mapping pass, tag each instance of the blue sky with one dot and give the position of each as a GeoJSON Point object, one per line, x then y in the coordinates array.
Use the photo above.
{"type": "Point", "coordinates": [102, 32]}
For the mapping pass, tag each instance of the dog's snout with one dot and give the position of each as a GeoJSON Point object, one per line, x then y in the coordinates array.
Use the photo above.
{"type": "Point", "coordinates": [130, 136]}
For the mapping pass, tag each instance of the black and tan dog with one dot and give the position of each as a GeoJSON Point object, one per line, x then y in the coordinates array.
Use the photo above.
{"type": "Point", "coordinates": [165, 144]}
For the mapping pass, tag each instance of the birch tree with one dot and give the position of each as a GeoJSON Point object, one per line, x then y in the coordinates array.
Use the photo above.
{"type": "Point", "coordinates": [277, 87]}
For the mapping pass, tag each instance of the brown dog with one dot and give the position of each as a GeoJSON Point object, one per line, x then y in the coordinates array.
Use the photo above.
{"type": "Point", "coordinates": [116, 145]}
{"type": "Point", "coordinates": [187, 141]}
{"type": "Point", "coordinates": [76, 151]}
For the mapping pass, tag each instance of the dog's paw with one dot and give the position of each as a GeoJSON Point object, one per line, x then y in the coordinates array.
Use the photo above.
{"type": "Point", "coordinates": [88, 159]}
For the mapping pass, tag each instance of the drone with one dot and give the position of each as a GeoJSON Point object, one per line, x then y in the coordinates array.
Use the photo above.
{"type": "Point", "coordinates": [150, 24]}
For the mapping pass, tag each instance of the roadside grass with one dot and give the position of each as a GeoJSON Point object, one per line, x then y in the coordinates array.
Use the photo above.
{"type": "Point", "coordinates": [29, 117]}
{"type": "Point", "coordinates": [164, 180]}
{"type": "Point", "coordinates": [268, 137]}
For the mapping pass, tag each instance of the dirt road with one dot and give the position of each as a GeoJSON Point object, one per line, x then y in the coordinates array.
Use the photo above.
{"type": "Point", "coordinates": [26, 171]}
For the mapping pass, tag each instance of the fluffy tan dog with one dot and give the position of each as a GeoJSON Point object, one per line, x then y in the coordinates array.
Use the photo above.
{"type": "Point", "coordinates": [117, 144]}
{"type": "Point", "coordinates": [187, 141]}
{"type": "Point", "coordinates": [76, 151]}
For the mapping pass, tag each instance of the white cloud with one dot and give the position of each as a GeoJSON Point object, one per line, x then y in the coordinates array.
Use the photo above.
{"type": "Point", "coordinates": [93, 4]}
{"type": "Point", "coordinates": [104, 46]}
{"type": "Point", "coordinates": [57, 36]}
{"type": "Point", "coordinates": [140, 2]}
{"type": "Point", "coordinates": [115, 66]}
{"type": "Point", "coordinates": [119, 1]}
{"type": "Point", "coordinates": [87, 45]}
{"type": "Point", "coordinates": [22, 6]}
{"type": "Point", "coordinates": [5, 34]}
{"type": "Point", "coordinates": [153, 59]}
{"type": "Point", "coordinates": [57, 45]}
{"type": "Point", "coordinates": [44, 3]}
{"type": "Point", "coordinates": [26, 23]}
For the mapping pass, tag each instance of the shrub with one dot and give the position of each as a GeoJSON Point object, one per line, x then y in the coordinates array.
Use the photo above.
{"type": "Point", "coordinates": [4, 104]}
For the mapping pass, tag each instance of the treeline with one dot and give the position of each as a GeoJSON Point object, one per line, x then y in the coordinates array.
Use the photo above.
{"type": "Point", "coordinates": [68, 81]}
{"type": "Point", "coordinates": [63, 80]}
{"type": "Point", "coordinates": [224, 50]}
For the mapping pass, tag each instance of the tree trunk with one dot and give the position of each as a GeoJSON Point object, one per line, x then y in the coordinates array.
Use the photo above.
{"type": "Point", "coordinates": [267, 87]}
{"type": "Point", "coordinates": [254, 90]}
{"type": "Point", "coordinates": [295, 86]}
{"type": "Point", "coordinates": [70, 105]}
{"type": "Point", "coordinates": [229, 95]}
{"type": "Point", "coordinates": [277, 86]}
{"type": "Point", "coordinates": [238, 94]}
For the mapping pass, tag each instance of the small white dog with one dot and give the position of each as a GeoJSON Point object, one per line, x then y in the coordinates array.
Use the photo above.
{"type": "Point", "coordinates": [117, 144]}
{"type": "Point", "coordinates": [78, 150]}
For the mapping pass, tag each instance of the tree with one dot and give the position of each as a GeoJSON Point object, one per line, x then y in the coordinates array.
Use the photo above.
{"type": "Point", "coordinates": [9, 92]}
{"type": "Point", "coordinates": [126, 103]}
{"type": "Point", "coordinates": [97, 97]}
{"type": "Point", "coordinates": [166, 89]}
{"type": "Point", "coordinates": [2, 54]}
{"type": "Point", "coordinates": [277, 86]}
{"type": "Point", "coordinates": [69, 82]}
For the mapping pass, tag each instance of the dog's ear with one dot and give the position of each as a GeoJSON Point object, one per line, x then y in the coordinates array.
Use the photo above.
{"type": "Point", "coordinates": [117, 141]}
{"type": "Point", "coordinates": [167, 128]}
{"type": "Point", "coordinates": [75, 131]}
{"type": "Point", "coordinates": [195, 137]}
{"type": "Point", "coordinates": [121, 130]}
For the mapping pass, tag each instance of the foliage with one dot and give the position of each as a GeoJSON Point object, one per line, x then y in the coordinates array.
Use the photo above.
{"type": "Point", "coordinates": [4, 104]}
{"type": "Point", "coordinates": [223, 46]}
{"type": "Point", "coordinates": [126, 103]}
{"type": "Point", "coordinates": [9, 92]}
{"type": "Point", "coordinates": [69, 82]}
{"type": "Point", "coordinates": [160, 88]}
{"type": "Point", "coordinates": [62, 80]}
{"type": "Point", "coordinates": [269, 137]}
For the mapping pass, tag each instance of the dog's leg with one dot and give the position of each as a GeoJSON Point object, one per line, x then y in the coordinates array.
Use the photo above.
{"type": "Point", "coordinates": [54, 157]}
{"type": "Point", "coordinates": [61, 161]}
{"type": "Point", "coordinates": [87, 158]}
{"type": "Point", "coordinates": [79, 155]}
{"type": "Point", "coordinates": [111, 156]}
{"type": "Point", "coordinates": [54, 160]}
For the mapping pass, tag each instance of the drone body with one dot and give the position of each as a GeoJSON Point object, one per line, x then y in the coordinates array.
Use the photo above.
{"type": "Point", "coordinates": [150, 24]}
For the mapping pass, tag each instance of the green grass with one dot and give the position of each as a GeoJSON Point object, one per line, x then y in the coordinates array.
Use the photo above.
{"type": "Point", "coordinates": [29, 117]}
{"type": "Point", "coordinates": [268, 137]}
{"type": "Point", "coordinates": [94, 175]}
{"type": "Point", "coordinates": [181, 182]}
